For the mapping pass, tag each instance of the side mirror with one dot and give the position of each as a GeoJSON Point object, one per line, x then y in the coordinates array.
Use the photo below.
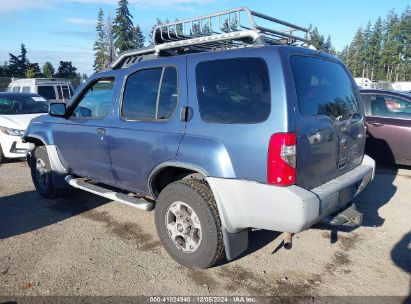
{"type": "Point", "coordinates": [57, 109]}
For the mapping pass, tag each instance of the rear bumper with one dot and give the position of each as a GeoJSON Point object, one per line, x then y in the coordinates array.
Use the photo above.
{"type": "Point", "coordinates": [244, 204]}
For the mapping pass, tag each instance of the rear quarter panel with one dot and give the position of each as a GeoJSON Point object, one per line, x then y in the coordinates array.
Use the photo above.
{"type": "Point", "coordinates": [236, 150]}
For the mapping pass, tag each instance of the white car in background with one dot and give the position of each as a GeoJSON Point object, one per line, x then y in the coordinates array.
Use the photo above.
{"type": "Point", "coordinates": [16, 112]}
{"type": "Point", "coordinates": [53, 89]}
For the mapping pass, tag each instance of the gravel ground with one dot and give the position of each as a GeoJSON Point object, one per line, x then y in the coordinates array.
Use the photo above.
{"type": "Point", "coordinates": [86, 245]}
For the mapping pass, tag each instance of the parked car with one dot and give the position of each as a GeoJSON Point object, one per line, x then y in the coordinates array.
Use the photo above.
{"type": "Point", "coordinates": [16, 111]}
{"type": "Point", "coordinates": [217, 140]}
{"type": "Point", "coordinates": [53, 89]}
{"type": "Point", "coordinates": [389, 125]}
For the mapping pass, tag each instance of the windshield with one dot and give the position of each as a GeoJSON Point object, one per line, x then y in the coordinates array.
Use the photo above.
{"type": "Point", "coordinates": [22, 105]}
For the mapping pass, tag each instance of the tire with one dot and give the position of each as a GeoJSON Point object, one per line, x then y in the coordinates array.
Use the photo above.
{"type": "Point", "coordinates": [208, 247]}
{"type": "Point", "coordinates": [41, 173]}
{"type": "Point", "coordinates": [2, 158]}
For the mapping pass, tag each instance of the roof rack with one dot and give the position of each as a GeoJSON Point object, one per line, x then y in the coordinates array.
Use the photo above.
{"type": "Point", "coordinates": [222, 30]}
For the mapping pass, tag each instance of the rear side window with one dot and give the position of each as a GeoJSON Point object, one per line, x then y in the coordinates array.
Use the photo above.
{"type": "Point", "coordinates": [47, 92]}
{"type": "Point", "coordinates": [15, 89]}
{"type": "Point", "coordinates": [25, 89]}
{"type": "Point", "coordinates": [150, 94]}
{"type": "Point", "coordinates": [323, 88]}
{"type": "Point", "coordinates": [233, 91]}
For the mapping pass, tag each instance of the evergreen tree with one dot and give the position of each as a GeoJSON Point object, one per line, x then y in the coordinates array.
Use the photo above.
{"type": "Point", "coordinates": [124, 33]}
{"type": "Point", "coordinates": [374, 49]}
{"type": "Point", "coordinates": [18, 64]}
{"type": "Point", "coordinates": [48, 70]}
{"type": "Point", "coordinates": [33, 71]}
{"type": "Point", "coordinates": [101, 52]}
{"type": "Point", "coordinates": [66, 70]}
{"type": "Point", "coordinates": [139, 37]}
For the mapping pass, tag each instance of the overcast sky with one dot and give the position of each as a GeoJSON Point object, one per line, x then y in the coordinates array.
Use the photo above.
{"type": "Point", "coordinates": [56, 30]}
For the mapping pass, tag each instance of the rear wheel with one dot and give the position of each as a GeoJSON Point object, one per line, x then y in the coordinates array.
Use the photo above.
{"type": "Point", "coordinates": [41, 173]}
{"type": "Point", "coordinates": [188, 224]}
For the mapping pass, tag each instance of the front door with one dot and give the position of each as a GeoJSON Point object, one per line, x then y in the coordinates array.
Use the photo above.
{"type": "Point", "coordinates": [81, 139]}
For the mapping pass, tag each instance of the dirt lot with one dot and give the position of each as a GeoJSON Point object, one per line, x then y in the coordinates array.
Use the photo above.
{"type": "Point", "coordinates": [86, 245]}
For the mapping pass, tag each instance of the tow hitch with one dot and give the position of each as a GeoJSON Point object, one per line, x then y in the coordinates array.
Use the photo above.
{"type": "Point", "coordinates": [348, 217]}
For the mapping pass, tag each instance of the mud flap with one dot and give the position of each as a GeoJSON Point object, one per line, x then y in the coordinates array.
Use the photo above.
{"type": "Point", "coordinates": [235, 243]}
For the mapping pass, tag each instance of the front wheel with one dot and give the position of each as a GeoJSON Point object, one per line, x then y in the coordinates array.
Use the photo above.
{"type": "Point", "coordinates": [188, 224]}
{"type": "Point", "coordinates": [2, 158]}
{"type": "Point", "coordinates": [41, 173]}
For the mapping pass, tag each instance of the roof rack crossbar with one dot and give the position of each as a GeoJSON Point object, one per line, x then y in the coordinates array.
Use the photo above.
{"type": "Point", "coordinates": [221, 30]}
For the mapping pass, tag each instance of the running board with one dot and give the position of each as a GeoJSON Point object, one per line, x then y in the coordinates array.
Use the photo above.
{"type": "Point", "coordinates": [110, 194]}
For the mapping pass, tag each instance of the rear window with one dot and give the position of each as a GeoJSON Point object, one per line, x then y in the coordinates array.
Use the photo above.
{"type": "Point", "coordinates": [233, 91]}
{"type": "Point", "coordinates": [323, 88]}
{"type": "Point", "coordinates": [47, 92]}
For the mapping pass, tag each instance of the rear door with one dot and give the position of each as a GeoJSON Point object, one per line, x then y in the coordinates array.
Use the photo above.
{"type": "Point", "coordinates": [149, 127]}
{"type": "Point", "coordinates": [389, 128]}
{"type": "Point", "coordinates": [329, 120]}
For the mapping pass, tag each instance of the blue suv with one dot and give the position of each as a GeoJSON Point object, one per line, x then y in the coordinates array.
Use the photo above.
{"type": "Point", "coordinates": [219, 132]}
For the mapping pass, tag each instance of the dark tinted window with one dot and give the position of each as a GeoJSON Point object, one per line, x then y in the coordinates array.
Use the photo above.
{"type": "Point", "coordinates": [22, 105]}
{"type": "Point", "coordinates": [96, 102]}
{"type": "Point", "coordinates": [323, 88]}
{"type": "Point", "coordinates": [390, 106]}
{"type": "Point", "coordinates": [142, 98]}
{"type": "Point", "coordinates": [168, 93]}
{"type": "Point", "coordinates": [47, 92]}
{"type": "Point", "coordinates": [233, 90]}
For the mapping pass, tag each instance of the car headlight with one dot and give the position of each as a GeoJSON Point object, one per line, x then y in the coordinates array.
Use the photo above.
{"type": "Point", "coordinates": [12, 132]}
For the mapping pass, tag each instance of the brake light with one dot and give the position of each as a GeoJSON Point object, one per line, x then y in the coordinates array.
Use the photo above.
{"type": "Point", "coordinates": [281, 160]}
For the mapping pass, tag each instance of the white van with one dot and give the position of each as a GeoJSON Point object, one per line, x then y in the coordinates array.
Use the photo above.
{"type": "Point", "coordinates": [53, 89]}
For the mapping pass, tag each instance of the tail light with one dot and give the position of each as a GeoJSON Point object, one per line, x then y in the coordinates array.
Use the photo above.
{"type": "Point", "coordinates": [281, 160]}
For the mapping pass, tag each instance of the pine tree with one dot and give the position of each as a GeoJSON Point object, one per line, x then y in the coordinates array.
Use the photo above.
{"type": "Point", "coordinates": [317, 40]}
{"type": "Point", "coordinates": [18, 64]}
{"type": "Point", "coordinates": [374, 49]}
{"type": "Point", "coordinates": [101, 52]}
{"type": "Point", "coordinates": [48, 70]}
{"type": "Point", "coordinates": [124, 33]}
{"type": "Point", "coordinates": [139, 37]}
{"type": "Point", "coordinates": [66, 70]}
{"type": "Point", "coordinates": [33, 70]}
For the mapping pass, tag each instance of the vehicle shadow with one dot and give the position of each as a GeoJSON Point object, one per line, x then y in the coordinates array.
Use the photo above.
{"type": "Point", "coordinates": [27, 211]}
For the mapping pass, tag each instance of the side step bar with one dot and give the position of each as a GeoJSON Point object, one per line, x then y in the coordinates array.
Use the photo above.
{"type": "Point", "coordinates": [109, 194]}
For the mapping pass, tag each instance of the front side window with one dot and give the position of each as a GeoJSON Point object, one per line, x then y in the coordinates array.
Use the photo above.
{"type": "Point", "coordinates": [15, 89]}
{"type": "Point", "coordinates": [390, 106]}
{"type": "Point", "coordinates": [233, 91]}
{"type": "Point", "coordinates": [96, 101]}
{"type": "Point", "coordinates": [150, 94]}
{"type": "Point", "coordinates": [323, 88]}
{"type": "Point", "coordinates": [47, 92]}
{"type": "Point", "coordinates": [26, 90]}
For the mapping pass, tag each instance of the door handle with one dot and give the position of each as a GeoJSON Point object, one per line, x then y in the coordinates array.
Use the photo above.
{"type": "Point", "coordinates": [377, 124]}
{"type": "Point", "coordinates": [101, 131]}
